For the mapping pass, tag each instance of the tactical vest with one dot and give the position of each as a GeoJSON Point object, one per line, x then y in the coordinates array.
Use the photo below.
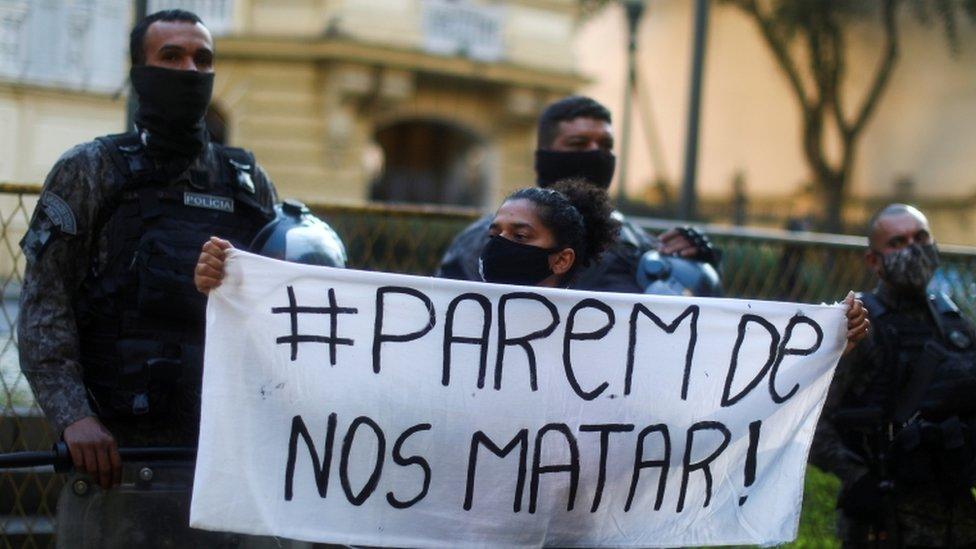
{"type": "Point", "coordinates": [927, 390]}
{"type": "Point", "coordinates": [140, 317]}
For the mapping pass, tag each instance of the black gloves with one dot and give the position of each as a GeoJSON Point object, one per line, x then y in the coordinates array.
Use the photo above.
{"type": "Point", "coordinates": [704, 250]}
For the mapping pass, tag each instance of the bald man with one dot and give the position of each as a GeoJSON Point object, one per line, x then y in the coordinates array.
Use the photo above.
{"type": "Point", "coordinates": [898, 425]}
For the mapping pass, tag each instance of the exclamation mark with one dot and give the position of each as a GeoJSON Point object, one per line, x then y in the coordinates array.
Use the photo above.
{"type": "Point", "coordinates": [754, 428]}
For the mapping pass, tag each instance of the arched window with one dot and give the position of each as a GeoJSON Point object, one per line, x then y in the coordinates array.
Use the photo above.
{"type": "Point", "coordinates": [430, 161]}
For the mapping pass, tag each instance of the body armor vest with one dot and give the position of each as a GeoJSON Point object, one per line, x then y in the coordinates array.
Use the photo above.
{"type": "Point", "coordinates": [926, 390]}
{"type": "Point", "coordinates": [140, 317]}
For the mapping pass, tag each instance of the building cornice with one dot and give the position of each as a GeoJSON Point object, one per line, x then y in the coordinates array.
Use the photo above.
{"type": "Point", "coordinates": [19, 88]}
{"type": "Point", "coordinates": [337, 49]}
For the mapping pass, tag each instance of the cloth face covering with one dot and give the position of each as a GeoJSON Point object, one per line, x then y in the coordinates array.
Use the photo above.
{"type": "Point", "coordinates": [597, 166]}
{"type": "Point", "coordinates": [172, 104]}
{"type": "Point", "coordinates": [910, 268]}
{"type": "Point", "coordinates": [505, 261]}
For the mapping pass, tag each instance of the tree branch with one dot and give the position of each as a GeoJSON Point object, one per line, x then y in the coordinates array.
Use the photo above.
{"type": "Point", "coordinates": [883, 74]}
{"type": "Point", "coordinates": [817, 62]}
{"type": "Point", "coordinates": [836, 73]}
{"type": "Point", "coordinates": [779, 46]}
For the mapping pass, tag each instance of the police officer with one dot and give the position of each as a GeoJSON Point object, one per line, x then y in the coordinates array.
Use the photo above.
{"type": "Point", "coordinates": [575, 140]}
{"type": "Point", "coordinates": [111, 326]}
{"type": "Point", "coordinates": [897, 427]}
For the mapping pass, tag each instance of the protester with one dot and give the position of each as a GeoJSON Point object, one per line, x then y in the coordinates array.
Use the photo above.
{"type": "Point", "coordinates": [110, 327]}
{"type": "Point", "coordinates": [575, 140]}
{"type": "Point", "coordinates": [897, 427]}
{"type": "Point", "coordinates": [544, 237]}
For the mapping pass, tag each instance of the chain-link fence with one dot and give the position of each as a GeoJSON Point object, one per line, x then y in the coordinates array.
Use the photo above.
{"type": "Point", "coordinates": [27, 496]}
{"type": "Point", "coordinates": [764, 264]}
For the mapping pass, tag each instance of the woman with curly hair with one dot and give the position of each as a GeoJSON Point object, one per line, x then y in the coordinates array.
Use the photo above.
{"type": "Point", "coordinates": [543, 236]}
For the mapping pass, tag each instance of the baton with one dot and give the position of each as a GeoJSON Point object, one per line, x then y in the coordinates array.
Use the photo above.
{"type": "Point", "coordinates": [60, 457]}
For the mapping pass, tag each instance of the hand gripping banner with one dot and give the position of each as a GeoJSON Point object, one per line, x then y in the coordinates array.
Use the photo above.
{"type": "Point", "coordinates": [387, 410]}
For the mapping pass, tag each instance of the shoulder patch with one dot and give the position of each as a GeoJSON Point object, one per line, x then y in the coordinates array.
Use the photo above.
{"type": "Point", "coordinates": [243, 171]}
{"type": "Point", "coordinates": [59, 213]}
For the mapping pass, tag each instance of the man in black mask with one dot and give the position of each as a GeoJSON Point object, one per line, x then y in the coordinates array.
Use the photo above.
{"type": "Point", "coordinates": [575, 141]}
{"type": "Point", "coordinates": [111, 326]}
{"type": "Point", "coordinates": [898, 425]}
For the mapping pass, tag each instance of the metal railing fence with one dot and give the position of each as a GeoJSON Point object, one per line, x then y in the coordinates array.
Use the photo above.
{"type": "Point", "coordinates": [763, 264]}
{"type": "Point", "coordinates": [757, 263]}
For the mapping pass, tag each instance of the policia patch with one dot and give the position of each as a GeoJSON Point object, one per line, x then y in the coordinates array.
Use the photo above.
{"type": "Point", "coordinates": [55, 214]}
{"type": "Point", "coordinates": [208, 201]}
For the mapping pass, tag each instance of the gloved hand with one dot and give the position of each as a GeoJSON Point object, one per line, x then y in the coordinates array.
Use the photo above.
{"type": "Point", "coordinates": [689, 243]}
{"type": "Point", "coordinates": [863, 499]}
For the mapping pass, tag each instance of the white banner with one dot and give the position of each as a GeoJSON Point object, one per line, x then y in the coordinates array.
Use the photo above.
{"type": "Point", "coordinates": [387, 410]}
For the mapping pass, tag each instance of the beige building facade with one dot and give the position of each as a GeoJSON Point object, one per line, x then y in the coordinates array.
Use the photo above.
{"type": "Point", "coordinates": [62, 71]}
{"type": "Point", "coordinates": [406, 101]}
{"type": "Point", "coordinates": [341, 100]}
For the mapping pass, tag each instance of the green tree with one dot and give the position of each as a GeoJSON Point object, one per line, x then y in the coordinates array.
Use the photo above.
{"type": "Point", "coordinates": [807, 40]}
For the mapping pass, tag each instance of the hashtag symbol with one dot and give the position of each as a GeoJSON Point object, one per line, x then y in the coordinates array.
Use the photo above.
{"type": "Point", "coordinates": [333, 310]}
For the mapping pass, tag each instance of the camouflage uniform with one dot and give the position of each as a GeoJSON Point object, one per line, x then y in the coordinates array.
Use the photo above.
{"type": "Point", "coordinates": [914, 516]}
{"type": "Point", "coordinates": [66, 240]}
{"type": "Point", "coordinates": [614, 272]}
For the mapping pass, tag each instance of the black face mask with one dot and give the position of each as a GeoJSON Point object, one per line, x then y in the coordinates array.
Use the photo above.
{"type": "Point", "coordinates": [594, 166]}
{"type": "Point", "coordinates": [172, 105]}
{"type": "Point", "coordinates": [505, 261]}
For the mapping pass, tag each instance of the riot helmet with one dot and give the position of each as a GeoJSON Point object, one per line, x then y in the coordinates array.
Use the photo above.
{"type": "Point", "coordinates": [298, 236]}
{"type": "Point", "coordinates": [669, 275]}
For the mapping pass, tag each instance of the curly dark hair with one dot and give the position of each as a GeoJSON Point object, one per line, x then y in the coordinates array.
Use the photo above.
{"type": "Point", "coordinates": [578, 214]}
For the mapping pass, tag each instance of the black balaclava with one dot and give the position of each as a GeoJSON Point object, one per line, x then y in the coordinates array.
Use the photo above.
{"type": "Point", "coordinates": [911, 268]}
{"type": "Point", "coordinates": [595, 166]}
{"type": "Point", "coordinates": [172, 104]}
{"type": "Point", "coordinates": [505, 261]}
